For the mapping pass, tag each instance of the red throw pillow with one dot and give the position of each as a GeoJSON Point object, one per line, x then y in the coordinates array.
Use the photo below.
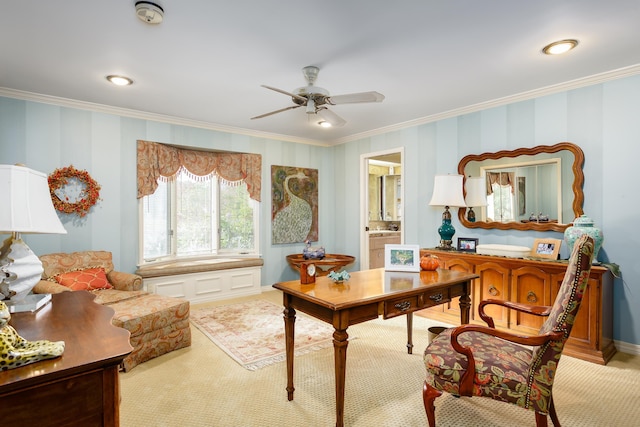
{"type": "Point", "coordinates": [84, 280]}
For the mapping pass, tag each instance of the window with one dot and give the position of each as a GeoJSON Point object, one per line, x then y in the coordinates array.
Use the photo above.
{"type": "Point", "coordinates": [187, 218]}
{"type": "Point", "coordinates": [500, 203]}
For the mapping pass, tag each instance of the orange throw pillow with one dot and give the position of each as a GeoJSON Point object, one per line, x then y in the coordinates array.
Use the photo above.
{"type": "Point", "coordinates": [84, 280]}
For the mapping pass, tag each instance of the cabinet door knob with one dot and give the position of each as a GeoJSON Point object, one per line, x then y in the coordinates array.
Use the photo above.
{"type": "Point", "coordinates": [531, 297]}
{"type": "Point", "coordinates": [493, 291]}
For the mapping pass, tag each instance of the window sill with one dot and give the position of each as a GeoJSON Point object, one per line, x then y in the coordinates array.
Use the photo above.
{"type": "Point", "coordinates": [196, 266]}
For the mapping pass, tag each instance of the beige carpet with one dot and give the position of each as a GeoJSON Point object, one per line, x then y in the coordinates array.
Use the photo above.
{"type": "Point", "coordinates": [202, 386]}
{"type": "Point", "coordinates": [252, 332]}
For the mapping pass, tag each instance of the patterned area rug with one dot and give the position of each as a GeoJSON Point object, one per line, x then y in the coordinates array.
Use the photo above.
{"type": "Point", "coordinates": [252, 333]}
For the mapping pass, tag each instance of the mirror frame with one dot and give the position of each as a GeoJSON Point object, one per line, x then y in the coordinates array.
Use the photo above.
{"type": "Point", "coordinates": [578, 182]}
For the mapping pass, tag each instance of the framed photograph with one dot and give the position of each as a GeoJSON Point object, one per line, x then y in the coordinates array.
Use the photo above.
{"type": "Point", "coordinates": [402, 258]}
{"type": "Point", "coordinates": [466, 244]}
{"type": "Point", "coordinates": [546, 248]}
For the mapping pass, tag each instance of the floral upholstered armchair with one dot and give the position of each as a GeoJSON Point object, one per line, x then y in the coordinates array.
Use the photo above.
{"type": "Point", "coordinates": [474, 360]}
{"type": "Point", "coordinates": [158, 324]}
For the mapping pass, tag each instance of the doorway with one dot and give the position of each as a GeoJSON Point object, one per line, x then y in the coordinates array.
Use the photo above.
{"type": "Point", "coordinates": [381, 202]}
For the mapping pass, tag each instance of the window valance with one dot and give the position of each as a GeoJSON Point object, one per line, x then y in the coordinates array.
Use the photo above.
{"type": "Point", "coordinates": [502, 178]}
{"type": "Point", "coordinates": [159, 161]}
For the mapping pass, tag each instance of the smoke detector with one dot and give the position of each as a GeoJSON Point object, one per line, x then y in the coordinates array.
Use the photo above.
{"type": "Point", "coordinates": [149, 12]}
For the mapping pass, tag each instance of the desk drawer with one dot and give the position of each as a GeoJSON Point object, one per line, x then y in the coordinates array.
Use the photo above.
{"type": "Point", "coordinates": [436, 297]}
{"type": "Point", "coordinates": [400, 306]}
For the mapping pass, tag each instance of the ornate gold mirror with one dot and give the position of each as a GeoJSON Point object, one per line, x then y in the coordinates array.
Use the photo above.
{"type": "Point", "coordinates": [540, 187]}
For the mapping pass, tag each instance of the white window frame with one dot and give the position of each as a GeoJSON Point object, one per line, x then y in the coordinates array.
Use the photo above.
{"type": "Point", "coordinates": [255, 252]}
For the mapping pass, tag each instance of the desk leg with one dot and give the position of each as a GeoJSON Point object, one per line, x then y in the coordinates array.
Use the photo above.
{"type": "Point", "coordinates": [465, 305]}
{"type": "Point", "coordinates": [340, 343]}
{"type": "Point", "coordinates": [410, 333]}
{"type": "Point", "coordinates": [289, 332]}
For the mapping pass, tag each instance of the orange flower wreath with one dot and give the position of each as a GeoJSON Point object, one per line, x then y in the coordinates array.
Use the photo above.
{"type": "Point", "coordinates": [88, 197]}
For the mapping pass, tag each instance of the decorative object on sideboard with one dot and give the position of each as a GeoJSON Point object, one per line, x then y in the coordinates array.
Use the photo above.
{"type": "Point", "coordinates": [584, 225]}
{"type": "Point", "coordinates": [476, 189]}
{"type": "Point", "coordinates": [429, 263]}
{"type": "Point", "coordinates": [467, 244]}
{"type": "Point", "coordinates": [546, 248]}
{"type": "Point", "coordinates": [447, 192]}
{"type": "Point", "coordinates": [73, 191]}
{"type": "Point", "coordinates": [26, 208]}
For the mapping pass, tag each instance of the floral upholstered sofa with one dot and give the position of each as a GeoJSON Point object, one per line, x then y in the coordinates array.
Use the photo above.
{"type": "Point", "coordinates": [157, 324]}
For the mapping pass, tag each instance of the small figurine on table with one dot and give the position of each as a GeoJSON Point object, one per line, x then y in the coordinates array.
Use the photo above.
{"type": "Point", "coordinates": [312, 252]}
{"type": "Point", "coordinates": [16, 351]}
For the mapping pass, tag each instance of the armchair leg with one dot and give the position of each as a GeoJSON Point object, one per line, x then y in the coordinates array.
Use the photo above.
{"type": "Point", "coordinates": [429, 394]}
{"type": "Point", "coordinates": [552, 412]}
{"type": "Point", "coordinates": [541, 420]}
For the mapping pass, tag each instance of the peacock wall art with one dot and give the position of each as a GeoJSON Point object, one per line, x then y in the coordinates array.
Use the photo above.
{"type": "Point", "coordinates": [294, 204]}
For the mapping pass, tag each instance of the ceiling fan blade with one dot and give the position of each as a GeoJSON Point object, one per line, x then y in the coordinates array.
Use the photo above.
{"type": "Point", "coordinates": [293, 95]}
{"type": "Point", "coordinates": [275, 112]}
{"type": "Point", "coordinates": [331, 117]}
{"type": "Point", "coordinates": [352, 98]}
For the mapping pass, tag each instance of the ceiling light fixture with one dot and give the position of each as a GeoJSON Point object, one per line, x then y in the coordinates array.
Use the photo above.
{"type": "Point", "coordinates": [150, 13]}
{"type": "Point", "coordinates": [559, 47]}
{"type": "Point", "coordinates": [324, 124]}
{"type": "Point", "coordinates": [120, 80]}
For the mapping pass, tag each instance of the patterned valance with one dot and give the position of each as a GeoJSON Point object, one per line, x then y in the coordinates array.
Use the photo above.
{"type": "Point", "coordinates": [502, 178]}
{"type": "Point", "coordinates": [159, 161]}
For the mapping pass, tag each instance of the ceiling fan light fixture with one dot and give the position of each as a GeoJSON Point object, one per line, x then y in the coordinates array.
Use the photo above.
{"type": "Point", "coordinates": [311, 106]}
{"type": "Point", "coordinates": [119, 80]}
{"type": "Point", "coordinates": [324, 124]}
{"type": "Point", "coordinates": [560, 47]}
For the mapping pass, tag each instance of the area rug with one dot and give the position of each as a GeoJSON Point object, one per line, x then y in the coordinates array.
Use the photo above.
{"type": "Point", "coordinates": [252, 333]}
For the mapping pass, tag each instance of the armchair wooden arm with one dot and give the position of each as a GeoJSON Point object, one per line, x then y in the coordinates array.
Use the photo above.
{"type": "Point", "coordinates": [536, 310]}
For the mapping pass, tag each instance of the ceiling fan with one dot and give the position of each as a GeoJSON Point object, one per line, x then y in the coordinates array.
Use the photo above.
{"type": "Point", "coordinates": [316, 99]}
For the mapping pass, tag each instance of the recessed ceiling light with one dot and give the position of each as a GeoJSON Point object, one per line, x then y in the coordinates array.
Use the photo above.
{"type": "Point", "coordinates": [559, 47]}
{"type": "Point", "coordinates": [324, 124]}
{"type": "Point", "coordinates": [120, 80]}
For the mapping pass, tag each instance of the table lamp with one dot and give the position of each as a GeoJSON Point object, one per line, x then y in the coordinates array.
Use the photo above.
{"type": "Point", "coordinates": [447, 192]}
{"type": "Point", "coordinates": [476, 188]}
{"type": "Point", "coordinates": [26, 208]}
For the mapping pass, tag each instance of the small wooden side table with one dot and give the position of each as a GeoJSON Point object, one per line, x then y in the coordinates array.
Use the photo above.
{"type": "Point", "coordinates": [80, 388]}
{"type": "Point", "coordinates": [330, 262]}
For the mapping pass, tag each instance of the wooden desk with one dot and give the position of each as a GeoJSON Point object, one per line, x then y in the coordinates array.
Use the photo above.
{"type": "Point", "coordinates": [81, 387]}
{"type": "Point", "coordinates": [365, 296]}
{"type": "Point", "coordinates": [330, 262]}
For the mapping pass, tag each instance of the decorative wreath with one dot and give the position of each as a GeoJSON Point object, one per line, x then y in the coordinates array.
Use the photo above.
{"type": "Point", "coordinates": [88, 197]}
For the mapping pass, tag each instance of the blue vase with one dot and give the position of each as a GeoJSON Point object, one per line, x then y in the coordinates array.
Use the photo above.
{"type": "Point", "coordinates": [584, 225]}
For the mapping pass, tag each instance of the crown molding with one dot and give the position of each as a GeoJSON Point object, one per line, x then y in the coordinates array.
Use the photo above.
{"type": "Point", "coordinates": [143, 115]}
{"type": "Point", "coordinates": [523, 96]}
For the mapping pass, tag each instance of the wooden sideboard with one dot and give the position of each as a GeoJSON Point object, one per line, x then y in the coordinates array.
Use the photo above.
{"type": "Point", "coordinates": [533, 282]}
{"type": "Point", "coordinates": [80, 388]}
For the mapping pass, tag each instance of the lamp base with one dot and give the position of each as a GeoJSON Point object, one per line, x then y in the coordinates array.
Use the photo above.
{"type": "Point", "coordinates": [32, 302]}
{"type": "Point", "coordinates": [445, 245]}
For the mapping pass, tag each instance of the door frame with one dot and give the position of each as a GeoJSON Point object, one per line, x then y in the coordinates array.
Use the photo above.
{"type": "Point", "coordinates": [364, 201]}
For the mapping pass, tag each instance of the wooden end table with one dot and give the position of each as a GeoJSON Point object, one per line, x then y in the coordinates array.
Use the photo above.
{"type": "Point", "coordinates": [330, 262]}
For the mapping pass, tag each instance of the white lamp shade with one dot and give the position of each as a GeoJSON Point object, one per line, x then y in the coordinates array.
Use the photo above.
{"type": "Point", "coordinates": [447, 191]}
{"type": "Point", "coordinates": [476, 191]}
{"type": "Point", "coordinates": [26, 205]}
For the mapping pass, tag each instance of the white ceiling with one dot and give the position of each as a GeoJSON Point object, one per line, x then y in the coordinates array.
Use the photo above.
{"type": "Point", "coordinates": [205, 63]}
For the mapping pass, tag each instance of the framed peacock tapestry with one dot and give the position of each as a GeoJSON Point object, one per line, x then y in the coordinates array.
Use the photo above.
{"type": "Point", "coordinates": [294, 204]}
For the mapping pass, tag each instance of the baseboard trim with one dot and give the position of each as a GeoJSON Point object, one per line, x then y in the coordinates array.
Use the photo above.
{"type": "Point", "coordinates": [628, 348]}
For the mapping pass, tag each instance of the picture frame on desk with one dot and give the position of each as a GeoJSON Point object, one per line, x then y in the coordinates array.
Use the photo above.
{"type": "Point", "coordinates": [546, 248]}
{"type": "Point", "coordinates": [467, 244]}
{"type": "Point", "coordinates": [402, 258]}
